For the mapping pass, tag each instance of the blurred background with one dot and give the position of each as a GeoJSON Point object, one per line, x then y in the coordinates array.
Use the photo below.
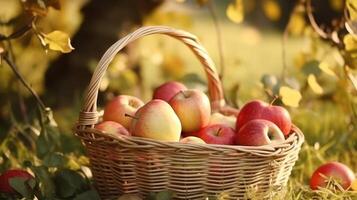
{"type": "Point", "coordinates": [303, 52]}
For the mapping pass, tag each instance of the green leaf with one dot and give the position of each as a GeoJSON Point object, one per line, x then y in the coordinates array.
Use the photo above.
{"type": "Point", "coordinates": [46, 184]}
{"type": "Point", "coordinates": [88, 195]}
{"type": "Point", "coordinates": [20, 186]}
{"type": "Point", "coordinates": [68, 183]}
{"type": "Point", "coordinates": [312, 67]}
{"type": "Point", "coordinates": [58, 41]}
{"type": "Point", "coordinates": [42, 146]}
{"type": "Point", "coordinates": [54, 160]}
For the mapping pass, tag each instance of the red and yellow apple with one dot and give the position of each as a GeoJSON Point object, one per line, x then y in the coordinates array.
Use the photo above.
{"type": "Point", "coordinates": [111, 127]}
{"type": "Point", "coordinates": [192, 140]}
{"type": "Point", "coordinates": [5, 186]}
{"type": "Point", "coordinates": [193, 109]}
{"type": "Point", "coordinates": [156, 120]}
{"type": "Point", "coordinates": [258, 132]}
{"type": "Point", "coordinates": [335, 170]}
{"type": "Point", "coordinates": [116, 109]}
{"type": "Point", "coordinates": [168, 90]}
{"type": "Point", "coordinates": [217, 134]}
{"type": "Point", "coordinates": [260, 110]}
{"type": "Point", "coordinates": [218, 118]}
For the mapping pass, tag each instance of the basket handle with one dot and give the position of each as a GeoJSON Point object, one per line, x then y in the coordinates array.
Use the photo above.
{"type": "Point", "coordinates": [89, 115]}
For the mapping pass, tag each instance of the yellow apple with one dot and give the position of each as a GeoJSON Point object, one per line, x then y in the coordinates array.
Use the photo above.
{"type": "Point", "coordinates": [218, 118]}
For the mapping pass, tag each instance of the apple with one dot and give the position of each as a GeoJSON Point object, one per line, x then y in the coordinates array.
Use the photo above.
{"type": "Point", "coordinates": [335, 170]}
{"type": "Point", "coordinates": [116, 109]}
{"type": "Point", "coordinates": [217, 134]}
{"type": "Point", "coordinates": [168, 90]}
{"type": "Point", "coordinates": [5, 186]}
{"type": "Point", "coordinates": [259, 132]}
{"type": "Point", "coordinates": [192, 140]}
{"type": "Point", "coordinates": [193, 109]}
{"type": "Point", "coordinates": [218, 118]}
{"type": "Point", "coordinates": [113, 128]}
{"type": "Point", "coordinates": [156, 120]}
{"type": "Point", "coordinates": [260, 110]}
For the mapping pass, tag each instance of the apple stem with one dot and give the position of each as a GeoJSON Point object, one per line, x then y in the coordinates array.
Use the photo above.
{"type": "Point", "coordinates": [219, 131]}
{"type": "Point", "coordinates": [274, 99]}
{"type": "Point", "coordinates": [183, 93]}
{"type": "Point", "coordinates": [127, 115]}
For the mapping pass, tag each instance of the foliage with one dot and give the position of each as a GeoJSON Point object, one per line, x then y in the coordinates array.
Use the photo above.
{"type": "Point", "coordinates": [318, 85]}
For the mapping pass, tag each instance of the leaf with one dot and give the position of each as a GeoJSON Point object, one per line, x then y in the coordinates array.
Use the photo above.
{"type": "Point", "coordinates": [46, 184]}
{"type": "Point", "coordinates": [88, 195]}
{"type": "Point", "coordinates": [290, 97]}
{"type": "Point", "coordinates": [54, 160]}
{"type": "Point", "coordinates": [19, 184]}
{"type": "Point", "coordinates": [272, 9]}
{"type": "Point", "coordinates": [312, 67]}
{"type": "Point", "coordinates": [235, 11]}
{"type": "Point", "coordinates": [314, 85]}
{"type": "Point", "coordinates": [68, 182]}
{"type": "Point", "coordinates": [58, 41]}
{"type": "Point", "coordinates": [350, 42]}
{"type": "Point", "coordinates": [324, 66]}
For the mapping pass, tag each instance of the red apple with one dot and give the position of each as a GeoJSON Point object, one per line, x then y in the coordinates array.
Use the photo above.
{"type": "Point", "coordinates": [338, 171]}
{"type": "Point", "coordinates": [168, 90]}
{"type": "Point", "coordinates": [193, 108]}
{"type": "Point", "coordinates": [113, 128]}
{"type": "Point", "coordinates": [217, 134]}
{"type": "Point", "coordinates": [260, 110]}
{"type": "Point", "coordinates": [156, 120]}
{"type": "Point", "coordinates": [5, 186]}
{"type": "Point", "coordinates": [258, 132]}
{"type": "Point", "coordinates": [192, 140]}
{"type": "Point", "coordinates": [116, 109]}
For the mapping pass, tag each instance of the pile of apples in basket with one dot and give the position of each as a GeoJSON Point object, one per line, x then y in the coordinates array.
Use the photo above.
{"type": "Point", "coordinates": [178, 114]}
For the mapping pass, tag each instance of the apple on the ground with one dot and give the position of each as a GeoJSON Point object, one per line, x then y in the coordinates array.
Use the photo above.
{"type": "Point", "coordinates": [116, 109]}
{"type": "Point", "coordinates": [335, 170]}
{"type": "Point", "coordinates": [193, 109]}
{"type": "Point", "coordinates": [218, 118]}
{"type": "Point", "coordinates": [5, 186]}
{"type": "Point", "coordinates": [192, 140]}
{"type": "Point", "coordinates": [217, 134]}
{"type": "Point", "coordinates": [112, 128]}
{"type": "Point", "coordinates": [156, 120]}
{"type": "Point", "coordinates": [260, 110]}
{"type": "Point", "coordinates": [168, 90]}
{"type": "Point", "coordinates": [258, 132]}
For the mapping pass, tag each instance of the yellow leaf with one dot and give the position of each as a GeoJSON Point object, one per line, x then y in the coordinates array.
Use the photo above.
{"type": "Point", "coordinates": [58, 41]}
{"type": "Point", "coordinates": [271, 9]}
{"type": "Point", "coordinates": [297, 24]}
{"type": "Point", "coordinates": [324, 66]}
{"type": "Point", "coordinates": [235, 11]}
{"type": "Point", "coordinates": [290, 97]}
{"type": "Point", "coordinates": [314, 85]}
{"type": "Point", "coordinates": [350, 42]}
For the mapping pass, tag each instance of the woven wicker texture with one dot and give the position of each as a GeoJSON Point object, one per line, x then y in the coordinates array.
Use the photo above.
{"type": "Point", "coordinates": [193, 171]}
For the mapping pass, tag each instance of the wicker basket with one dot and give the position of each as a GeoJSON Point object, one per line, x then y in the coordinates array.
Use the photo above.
{"type": "Point", "coordinates": [192, 171]}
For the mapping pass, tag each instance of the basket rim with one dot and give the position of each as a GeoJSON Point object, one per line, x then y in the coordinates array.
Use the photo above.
{"type": "Point", "coordinates": [295, 140]}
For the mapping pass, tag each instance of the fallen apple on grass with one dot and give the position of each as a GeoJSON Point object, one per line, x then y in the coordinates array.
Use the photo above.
{"type": "Point", "coordinates": [258, 132]}
{"type": "Point", "coordinates": [156, 120]}
{"type": "Point", "coordinates": [168, 90]}
{"type": "Point", "coordinates": [193, 109]}
{"type": "Point", "coordinates": [335, 170]}
{"type": "Point", "coordinates": [113, 128]}
{"type": "Point", "coordinates": [260, 110]}
{"type": "Point", "coordinates": [217, 134]}
{"type": "Point", "coordinates": [5, 178]}
{"type": "Point", "coordinates": [116, 109]}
